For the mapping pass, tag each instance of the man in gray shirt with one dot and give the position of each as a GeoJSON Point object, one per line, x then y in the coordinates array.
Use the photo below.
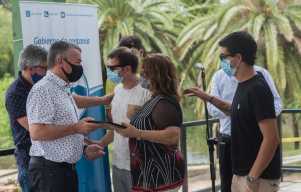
{"type": "Point", "coordinates": [56, 132]}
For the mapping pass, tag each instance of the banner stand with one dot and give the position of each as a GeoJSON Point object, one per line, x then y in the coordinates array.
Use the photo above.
{"type": "Point", "coordinates": [43, 23]}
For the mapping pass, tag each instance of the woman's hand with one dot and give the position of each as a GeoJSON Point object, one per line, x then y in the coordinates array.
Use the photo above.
{"type": "Point", "coordinates": [196, 91]}
{"type": "Point", "coordinates": [129, 131]}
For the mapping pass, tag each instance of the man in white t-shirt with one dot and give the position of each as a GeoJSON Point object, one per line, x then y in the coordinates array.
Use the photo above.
{"type": "Point", "coordinates": [129, 96]}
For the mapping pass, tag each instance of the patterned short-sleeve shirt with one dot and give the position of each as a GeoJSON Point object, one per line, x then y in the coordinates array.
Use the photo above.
{"type": "Point", "coordinates": [50, 102]}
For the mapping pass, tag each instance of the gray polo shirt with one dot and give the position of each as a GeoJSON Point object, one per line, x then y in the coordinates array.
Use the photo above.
{"type": "Point", "coordinates": [50, 102]}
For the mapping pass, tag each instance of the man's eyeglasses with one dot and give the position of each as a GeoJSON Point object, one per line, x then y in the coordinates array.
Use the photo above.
{"type": "Point", "coordinates": [224, 56]}
{"type": "Point", "coordinates": [40, 67]}
{"type": "Point", "coordinates": [113, 68]}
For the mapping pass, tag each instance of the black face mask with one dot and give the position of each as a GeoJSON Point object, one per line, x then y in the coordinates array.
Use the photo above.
{"type": "Point", "coordinates": [76, 73]}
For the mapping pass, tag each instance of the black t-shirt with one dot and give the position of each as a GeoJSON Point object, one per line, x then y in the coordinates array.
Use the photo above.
{"type": "Point", "coordinates": [253, 102]}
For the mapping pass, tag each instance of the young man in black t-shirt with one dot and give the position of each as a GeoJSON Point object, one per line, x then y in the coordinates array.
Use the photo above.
{"type": "Point", "coordinates": [255, 139]}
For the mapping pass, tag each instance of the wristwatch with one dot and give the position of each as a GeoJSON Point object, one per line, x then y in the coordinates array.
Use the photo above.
{"type": "Point", "coordinates": [84, 150]}
{"type": "Point", "coordinates": [251, 179]}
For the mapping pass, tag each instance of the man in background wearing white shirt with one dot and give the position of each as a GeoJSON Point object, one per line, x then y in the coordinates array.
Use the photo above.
{"type": "Point", "coordinates": [224, 87]}
{"type": "Point", "coordinates": [129, 96]}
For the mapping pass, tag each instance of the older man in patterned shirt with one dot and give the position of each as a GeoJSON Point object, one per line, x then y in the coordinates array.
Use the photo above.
{"type": "Point", "coordinates": [56, 132]}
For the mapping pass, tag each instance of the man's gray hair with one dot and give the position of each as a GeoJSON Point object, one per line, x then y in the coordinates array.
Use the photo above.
{"type": "Point", "coordinates": [32, 56]}
{"type": "Point", "coordinates": [59, 48]}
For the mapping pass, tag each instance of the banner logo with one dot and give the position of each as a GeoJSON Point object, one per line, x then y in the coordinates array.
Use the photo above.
{"type": "Point", "coordinates": [27, 13]}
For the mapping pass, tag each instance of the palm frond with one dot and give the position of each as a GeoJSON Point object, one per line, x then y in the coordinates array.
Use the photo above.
{"type": "Point", "coordinates": [229, 15]}
{"type": "Point", "coordinates": [257, 26]}
{"type": "Point", "coordinates": [284, 26]}
{"type": "Point", "coordinates": [271, 49]}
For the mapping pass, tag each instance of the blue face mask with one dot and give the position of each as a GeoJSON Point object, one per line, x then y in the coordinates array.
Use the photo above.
{"type": "Point", "coordinates": [227, 68]}
{"type": "Point", "coordinates": [144, 83]}
{"type": "Point", "coordinates": [36, 77]}
{"type": "Point", "coordinates": [114, 76]}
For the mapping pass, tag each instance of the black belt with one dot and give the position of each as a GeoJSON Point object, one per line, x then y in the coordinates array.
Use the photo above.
{"type": "Point", "coordinates": [42, 161]}
{"type": "Point", "coordinates": [224, 138]}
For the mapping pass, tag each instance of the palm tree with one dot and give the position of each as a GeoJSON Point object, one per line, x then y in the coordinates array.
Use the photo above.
{"type": "Point", "coordinates": [6, 4]}
{"type": "Point", "coordinates": [275, 25]}
{"type": "Point", "coordinates": [150, 20]}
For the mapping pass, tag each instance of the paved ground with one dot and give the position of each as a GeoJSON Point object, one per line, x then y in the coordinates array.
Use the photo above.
{"type": "Point", "coordinates": [290, 187]}
{"type": "Point", "coordinates": [291, 159]}
{"type": "Point", "coordinates": [199, 180]}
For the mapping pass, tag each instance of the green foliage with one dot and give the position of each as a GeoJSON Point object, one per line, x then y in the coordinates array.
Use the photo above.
{"type": "Point", "coordinates": [148, 19]}
{"type": "Point", "coordinates": [5, 130]}
{"type": "Point", "coordinates": [6, 4]}
{"type": "Point", "coordinates": [6, 42]}
{"type": "Point", "coordinates": [274, 25]}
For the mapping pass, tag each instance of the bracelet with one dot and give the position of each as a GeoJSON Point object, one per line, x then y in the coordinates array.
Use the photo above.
{"type": "Point", "coordinates": [140, 135]}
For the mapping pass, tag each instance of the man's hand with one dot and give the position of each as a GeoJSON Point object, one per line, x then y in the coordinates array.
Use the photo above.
{"type": "Point", "coordinates": [251, 186]}
{"type": "Point", "coordinates": [107, 139]}
{"type": "Point", "coordinates": [196, 91]}
{"type": "Point", "coordinates": [85, 126]}
{"type": "Point", "coordinates": [107, 99]}
{"type": "Point", "coordinates": [90, 101]}
{"type": "Point", "coordinates": [222, 105]}
{"type": "Point", "coordinates": [94, 151]}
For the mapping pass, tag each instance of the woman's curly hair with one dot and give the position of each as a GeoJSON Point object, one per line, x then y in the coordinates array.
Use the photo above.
{"type": "Point", "coordinates": [161, 72]}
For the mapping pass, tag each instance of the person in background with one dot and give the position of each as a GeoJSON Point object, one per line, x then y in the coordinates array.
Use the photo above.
{"type": "Point", "coordinates": [255, 139]}
{"type": "Point", "coordinates": [128, 98]}
{"type": "Point", "coordinates": [56, 132]}
{"type": "Point", "coordinates": [33, 65]}
{"type": "Point", "coordinates": [223, 86]}
{"type": "Point", "coordinates": [154, 132]}
{"type": "Point", "coordinates": [135, 44]}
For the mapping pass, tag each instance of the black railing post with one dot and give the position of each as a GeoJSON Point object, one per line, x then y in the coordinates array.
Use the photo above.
{"type": "Point", "coordinates": [279, 119]}
{"type": "Point", "coordinates": [184, 152]}
{"type": "Point", "coordinates": [6, 152]}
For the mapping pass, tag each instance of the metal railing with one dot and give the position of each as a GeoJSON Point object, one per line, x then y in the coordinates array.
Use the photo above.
{"type": "Point", "coordinates": [279, 120]}
{"type": "Point", "coordinates": [190, 124]}
{"type": "Point", "coordinates": [6, 152]}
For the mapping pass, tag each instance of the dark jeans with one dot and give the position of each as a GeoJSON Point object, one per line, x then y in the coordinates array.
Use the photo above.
{"type": "Point", "coordinates": [23, 178]}
{"type": "Point", "coordinates": [49, 176]}
{"type": "Point", "coordinates": [225, 162]}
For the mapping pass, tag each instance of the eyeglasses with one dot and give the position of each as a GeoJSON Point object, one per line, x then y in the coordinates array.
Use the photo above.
{"type": "Point", "coordinates": [224, 56]}
{"type": "Point", "coordinates": [40, 67]}
{"type": "Point", "coordinates": [113, 68]}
